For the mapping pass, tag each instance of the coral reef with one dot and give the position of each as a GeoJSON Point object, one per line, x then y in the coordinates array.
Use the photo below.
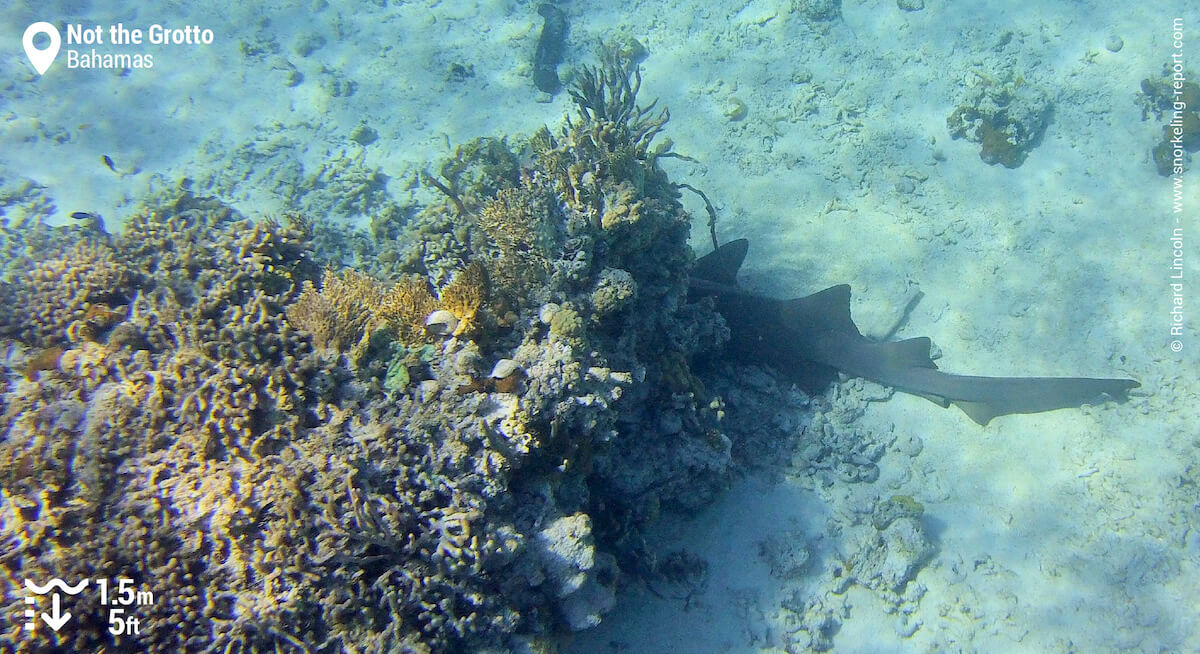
{"type": "Point", "coordinates": [452, 449]}
{"type": "Point", "coordinates": [1006, 116]}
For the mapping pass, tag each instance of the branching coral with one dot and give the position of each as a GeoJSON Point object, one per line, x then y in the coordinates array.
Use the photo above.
{"type": "Point", "coordinates": [605, 165]}
{"type": "Point", "coordinates": [339, 313]}
{"type": "Point", "coordinates": [351, 306]}
{"type": "Point", "coordinates": [464, 296]}
{"type": "Point", "coordinates": [524, 224]}
{"type": "Point", "coordinates": [520, 219]}
{"type": "Point", "coordinates": [608, 95]}
{"type": "Point", "coordinates": [405, 307]}
{"type": "Point", "coordinates": [478, 170]}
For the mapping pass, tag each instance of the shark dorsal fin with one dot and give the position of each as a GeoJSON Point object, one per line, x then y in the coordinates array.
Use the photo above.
{"type": "Point", "coordinates": [829, 309]}
{"type": "Point", "coordinates": [721, 265]}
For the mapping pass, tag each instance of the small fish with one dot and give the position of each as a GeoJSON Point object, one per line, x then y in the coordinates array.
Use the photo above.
{"type": "Point", "coordinates": [103, 316]}
{"type": "Point", "coordinates": [109, 162]}
{"type": "Point", "coordinates": [46, 360]}
{"type": "Point", "coordinates": [89, 220]}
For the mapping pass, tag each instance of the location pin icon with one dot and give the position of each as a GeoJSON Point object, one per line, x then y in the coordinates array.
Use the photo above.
{"type": "Point", "coordinates": [41, 59]}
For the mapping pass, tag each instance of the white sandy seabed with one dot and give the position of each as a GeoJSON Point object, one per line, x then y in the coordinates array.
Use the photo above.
{"type": "Point", "coordinates": [1075, 530]}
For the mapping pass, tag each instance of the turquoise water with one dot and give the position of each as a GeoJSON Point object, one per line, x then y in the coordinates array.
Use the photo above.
{"type": "Point", "coordinates": [314, 368]}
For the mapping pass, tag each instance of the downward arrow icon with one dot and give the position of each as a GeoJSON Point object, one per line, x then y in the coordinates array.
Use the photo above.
{"type": "Point", "coordinates": [53, 619]}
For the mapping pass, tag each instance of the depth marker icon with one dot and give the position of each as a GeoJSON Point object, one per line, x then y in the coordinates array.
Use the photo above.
{"type": "Point", "coordinates": [56, 618]}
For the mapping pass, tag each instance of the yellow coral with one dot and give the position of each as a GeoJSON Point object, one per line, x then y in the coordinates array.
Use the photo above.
{"type": "Point", "coordinates": [516, 219]}
{"type": "Point", "coordinates": [338, 315]}
{"type": "Point", "coordinates": [405, 306]}
{"type": "Point", "coordinates": [464, 295]}
{"type": "Point", "coordinates": [566, 322]}
{"type": "Point", "coordinates": [621, 207]}
{"type": "Point", "coordinates": [351, 306]}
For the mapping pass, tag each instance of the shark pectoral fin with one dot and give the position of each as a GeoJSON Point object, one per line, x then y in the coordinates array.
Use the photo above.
{"type": "Point", "coordinates": [980, 412]}
{"type": "Point", "coordinates": [936, 399]}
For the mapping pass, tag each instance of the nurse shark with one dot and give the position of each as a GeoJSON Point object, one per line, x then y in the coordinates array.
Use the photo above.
{"type": "Point", "coordinates": [812, 338]}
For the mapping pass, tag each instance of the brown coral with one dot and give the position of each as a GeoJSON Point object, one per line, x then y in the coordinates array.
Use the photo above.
{"type": "Point", "coordinates": [521, 222]}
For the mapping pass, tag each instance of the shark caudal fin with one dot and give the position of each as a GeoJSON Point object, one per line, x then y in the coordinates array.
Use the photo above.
{"type": "Point", "coordinates": [721, 265]}
{"type": "Point", "coordinates": [1035, 394]}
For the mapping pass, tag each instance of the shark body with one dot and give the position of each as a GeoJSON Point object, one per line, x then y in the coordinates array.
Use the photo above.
{"type": "Point", "coordinates": [812, 338]}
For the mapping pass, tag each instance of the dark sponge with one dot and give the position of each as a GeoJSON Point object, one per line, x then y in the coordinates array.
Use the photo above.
{"type": "Point", "coordinates": [550, 49]}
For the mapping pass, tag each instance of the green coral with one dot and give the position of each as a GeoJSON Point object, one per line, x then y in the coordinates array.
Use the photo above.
{"type": "Point", "coordinates": [397, 377]}
{"type": "Point", "coordinates": [403, 362]}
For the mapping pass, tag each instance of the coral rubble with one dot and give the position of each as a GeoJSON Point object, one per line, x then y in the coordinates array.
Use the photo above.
{"type": "Point", "coordinates": [1005, 116]}
{"type": "Point", "coordinates": [1173, 97]}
